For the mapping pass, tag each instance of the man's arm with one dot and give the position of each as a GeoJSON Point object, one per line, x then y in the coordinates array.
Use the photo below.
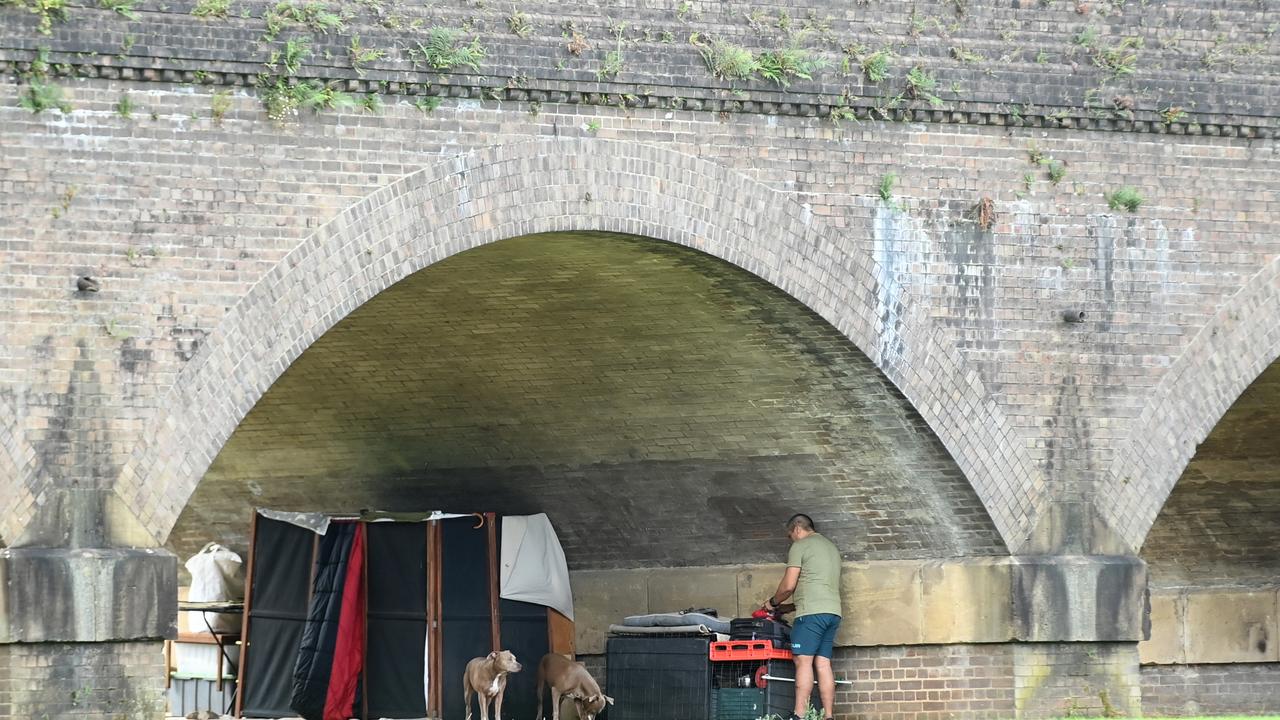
{"type": "Point", "coordinates": [785, 588]}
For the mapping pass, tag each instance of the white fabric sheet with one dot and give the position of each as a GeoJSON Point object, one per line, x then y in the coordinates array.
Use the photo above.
{"type": "Point", "coordinates": [533, 566]}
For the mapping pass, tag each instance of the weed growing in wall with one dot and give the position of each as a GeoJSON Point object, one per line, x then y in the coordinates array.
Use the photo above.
{"type": "Point", "coordinates": [1125, 197]}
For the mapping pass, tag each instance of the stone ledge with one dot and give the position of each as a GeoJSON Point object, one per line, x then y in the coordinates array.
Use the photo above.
{"type": "Point", "coordinates": [87, 595]}
{"type": "Point", "coordinates": [1192, 626]}
{"type": "Point", "coordinates": [907, 602]}
{"type": "Point", "coordinates": [760, 102]}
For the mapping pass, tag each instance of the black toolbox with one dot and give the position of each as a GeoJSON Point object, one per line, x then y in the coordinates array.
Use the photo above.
{"type": "Point", "coordinates": [761, 629]}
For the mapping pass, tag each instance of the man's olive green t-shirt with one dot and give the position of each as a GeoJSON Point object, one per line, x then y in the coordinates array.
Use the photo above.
{"type": "Point", "coordinates": [818, 590]}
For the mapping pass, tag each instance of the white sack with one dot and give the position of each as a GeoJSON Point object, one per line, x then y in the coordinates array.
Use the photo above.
{"type": "Point", "coordinates": [216, 576]}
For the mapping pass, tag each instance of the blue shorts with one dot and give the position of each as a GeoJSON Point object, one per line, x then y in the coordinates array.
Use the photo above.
{"type": "Point", "coordinates": [814, 634]}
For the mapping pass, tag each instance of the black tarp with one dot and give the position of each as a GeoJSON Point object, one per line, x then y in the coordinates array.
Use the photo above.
{"type": "Point", "coordinates": [464, 612]}
{"type": "Point", "coordinates": [398, 576]}
{"type": "Point", "coordinates": [281, 588]}
{"type": "Point", "coordinates": [397, 619]}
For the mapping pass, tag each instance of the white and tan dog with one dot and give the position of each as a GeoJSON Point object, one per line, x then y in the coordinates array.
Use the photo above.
{"type": "Point", "coordinates": [569, 679]}
{"type": "Point", "coordinates": [487, 678]}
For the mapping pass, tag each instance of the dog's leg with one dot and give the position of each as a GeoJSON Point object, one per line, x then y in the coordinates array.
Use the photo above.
{"type": "Point", "coordinates": [497, 702]}
{"type": "Point", "coordinates": [538, 689]}
{"type": "Point", "coordinates": [466, 695]}
{"type": "Point", "coordinates": [483, 696]}
{"type": "Point", "coordinates": [555, 703]}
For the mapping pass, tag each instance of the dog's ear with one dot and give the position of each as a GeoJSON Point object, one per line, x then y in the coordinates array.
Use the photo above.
{"type": "Point", "coordinates": [493, 654]}
{"type": "Point", "coordinates": [608, 699]}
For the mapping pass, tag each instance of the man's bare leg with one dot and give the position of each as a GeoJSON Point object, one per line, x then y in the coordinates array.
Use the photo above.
{"type": "Point", "coordinates": [826, 685]}
{"type": "Point", "coordinates": [804, 683]}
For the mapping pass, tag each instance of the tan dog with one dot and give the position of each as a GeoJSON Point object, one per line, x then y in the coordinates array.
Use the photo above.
{"type": "Point", "coordinates": [487, 678]}
{"type": "Point", "coordinates": [572, 680]}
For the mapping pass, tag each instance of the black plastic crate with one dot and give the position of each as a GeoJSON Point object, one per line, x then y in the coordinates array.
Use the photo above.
{"type": "Point", "coordinates": [733, 701]}
{"type": "Point", "coordinates": [656, 678]}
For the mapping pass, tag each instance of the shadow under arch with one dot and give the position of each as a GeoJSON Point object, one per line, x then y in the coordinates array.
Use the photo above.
{"type": "Point", "coordinates": [572, 185]}
{"type": "Point", "coordinates": [1237, 344]}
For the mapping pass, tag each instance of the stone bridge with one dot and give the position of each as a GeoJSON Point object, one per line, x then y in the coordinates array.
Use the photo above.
{"type": "Point", "coordinates": [668, 272]}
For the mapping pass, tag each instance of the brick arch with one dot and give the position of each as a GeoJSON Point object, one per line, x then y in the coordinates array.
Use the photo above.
{"type": "Point", "coordinates": [561, 185]}
{"type": "Point", "coordinates": [1230, 351]}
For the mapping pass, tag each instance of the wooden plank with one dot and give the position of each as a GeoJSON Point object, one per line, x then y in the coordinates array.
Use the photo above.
{"type": "Point", "coordinates": [244, 620]}
{"type": "Point", "coordinates": [495, 615]}
{"type": "Point", "coordinates": [560, 634]}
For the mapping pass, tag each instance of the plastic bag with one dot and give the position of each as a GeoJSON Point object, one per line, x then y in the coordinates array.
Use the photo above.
{"type": "Point", "coordinates": [216, 576]}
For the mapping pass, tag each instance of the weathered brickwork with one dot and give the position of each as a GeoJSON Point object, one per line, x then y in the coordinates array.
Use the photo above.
{"type": "Point", "coordinates": [1220, 525]}
{"type": "Point", "coordinates": [239, 207]}
{"type": "Point", "coordinates": [1124, 270]}
{"type": "Point", "coordinates": [226, 244]}
{"type": "Point", "coordinates": [84, 681]}
{"type": "Point", "coordinates": [1223, 689]}
{"type": "Point", "coordinates": [625, 387]}
{"type": "Point", "coordinates": [943, 682]}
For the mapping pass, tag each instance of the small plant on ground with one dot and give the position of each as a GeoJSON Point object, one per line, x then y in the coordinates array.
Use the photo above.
{"type": "Point", "coordinates": [41, 96]}
{"type": "Point", "coordinates": [842, 113]}
{"type": "Point", "coordinates": [1086, 38]}
{"type": "Point", "coordinates": [212, 9]}
{"type": "Point", "coordinates": [445, 50]}
{"type": "Point", "coordinates": [1120, 59]}
{"type": "Point", "coordinates": [312, 14]}
{"type": "Point", "coordinates": [361, 55]}
{"type": "Point", "coordinates": [966, 55]}
{"type": "Point", "coordinates": [885, 189]}
{"type": "Point", "coordinates": [49, 11]}
{"type": "Point", "coordinates": [1035, 154]}
{"type": "Point", "coordinates": [295, 50]}
{"type": "Point", "coordinates": [282, 98]}
{"type": "Point", "coordinates": [1125, 197]}
{"type": "Point", "coordinates": [1172, 114]}
{"type": "Point", "coordinates": [124, 8]}
{"type": "Point", "coordinates": [792, 61]}
{"type": "Point", "coordinates": [984, 213]}
{"type": "Point", "coordinates": [921, 85]}
{"type": "Point", "coordinates": [427, 104]}
{"type": "Point", "coordinates": [125, 106]}
{"type": "Point", "coordinates": [577, 41]}
{"type": "Point", "coordinates": [518, 23]}
{"type": "Point", "coordinates": [219, 104]}
{"type": "Point", "coordinates": [1057, 170]}
{"type": "Point", "coordinates": [876, 65]}
{"type": "Point", "coordinates": [724, 59]}
{"type": "Point", "coordinates": [612, 64]}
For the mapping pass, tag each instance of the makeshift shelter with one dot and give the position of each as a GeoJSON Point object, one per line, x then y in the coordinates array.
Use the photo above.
{"type": "Point", "coordinates": [376, 615]}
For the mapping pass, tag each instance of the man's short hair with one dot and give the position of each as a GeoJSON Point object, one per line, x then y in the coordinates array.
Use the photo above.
{"type": "Point", "coordinates": [802, 521]}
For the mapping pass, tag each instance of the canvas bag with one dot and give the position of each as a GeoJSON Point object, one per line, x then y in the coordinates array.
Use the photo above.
{"type": "Point", "coordinates": [216, 575]}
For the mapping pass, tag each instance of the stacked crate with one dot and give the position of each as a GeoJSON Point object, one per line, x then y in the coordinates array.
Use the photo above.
{"type": "Point", "coordinates": [742, 688]}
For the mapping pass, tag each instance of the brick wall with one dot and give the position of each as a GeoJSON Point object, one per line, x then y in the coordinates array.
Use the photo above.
{"type": "Point", "coordinates": [183, 214]}
{"type": "Point", "coordinates": [1221, 523]}
{"type": "Point", "coordinates": [211, 242]}
{"type": "Point", "coordinates": [84, 681]}
{"type": "Point", "coordinates": [663, 407]}
{"type": "Point", "coordinates": [927, 681]}
{"type": "Point", "coordinates": [1219, 689]}
{"type": "Point", "coordinates": [971, 681]}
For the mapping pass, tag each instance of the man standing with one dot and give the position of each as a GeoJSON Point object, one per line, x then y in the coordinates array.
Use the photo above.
{"type": "Point", "coordinates": [813, 577]}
